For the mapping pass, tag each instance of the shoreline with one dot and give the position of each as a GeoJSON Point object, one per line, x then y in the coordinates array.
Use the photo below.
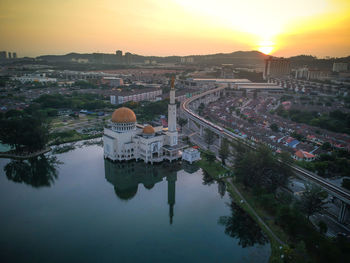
{"type": "Point", "coordinates": [275, 242]}
{"type": "Point", "coordinates": [49, 148]}
{"type": "Point", "coordinates": [6, 155]}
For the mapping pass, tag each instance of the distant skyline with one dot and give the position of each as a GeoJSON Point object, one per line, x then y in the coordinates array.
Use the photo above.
{"type": "Point", "coordinates": [175, 27]}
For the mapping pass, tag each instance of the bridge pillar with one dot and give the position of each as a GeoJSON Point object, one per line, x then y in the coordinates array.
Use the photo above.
{"type": "Point", "coordinates": [188, 122]}
{"type": "Point", "coordinates": [192, 126]}
{"type": "Point", "coordinates": [342, 213]}
{"type": "Point", "coordinates": [201, 130]}
{"type": "Point", "coordinates": [220, 140]}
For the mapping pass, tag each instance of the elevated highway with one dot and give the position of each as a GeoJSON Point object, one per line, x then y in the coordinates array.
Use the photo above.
{"type": "Point", "coordinates": [188, 110]}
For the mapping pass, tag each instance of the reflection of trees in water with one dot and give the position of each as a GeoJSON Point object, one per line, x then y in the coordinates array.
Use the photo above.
{"type": "Point", "coordinates": [221, 188]}
{"type": "Point", "coordinates": [207, 179]}
{"type": "Point", "coordinates": [37, 172]}
{"type": "Point", "coordinates": [240, 225]}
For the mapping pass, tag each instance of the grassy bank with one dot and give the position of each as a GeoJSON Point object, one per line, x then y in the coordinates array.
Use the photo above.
{"type": "Point", "coordinates": [276, 252]}
{"type": "Point", "coordinates": [214, 169]}
{"type": "Point", "coordinates": [70, 136]}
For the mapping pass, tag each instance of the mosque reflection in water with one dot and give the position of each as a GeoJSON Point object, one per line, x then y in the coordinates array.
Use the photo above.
{"type": "Point", "coordinates": [127, 176]}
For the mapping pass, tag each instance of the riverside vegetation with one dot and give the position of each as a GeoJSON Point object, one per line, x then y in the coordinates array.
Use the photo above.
{"type": "Point", "coordinates": [260, 177]}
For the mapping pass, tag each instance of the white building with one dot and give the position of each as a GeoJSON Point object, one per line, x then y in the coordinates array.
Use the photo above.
{"type": "Point", "coordinates": [340, 66]}
{"type": "Point", "coordinates": [113, 81]}
{"type": "Point", "coordinates": [209, 83]}
{"type": "Point", "coordinates": [188, 60]}
{"type": "Point", "coordinates": [34, 78]}
{"type": "Point", "coordinates": [80, 60]}
{"type": "Point", "coordinates": [191, 155]}
{"type": "Point", "coordinates": [302, 73]}
{"type": "Point", "coordinates": [276, 67]}
{"type": "Point", "coordinates": [142, 95]}
{"type": "Point", "coordinates": [125, 140]}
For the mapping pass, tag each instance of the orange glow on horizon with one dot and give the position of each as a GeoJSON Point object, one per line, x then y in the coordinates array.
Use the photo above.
{"type": "Point", "coordinates": [266, 50]}
{"type": "Point", "coordinates": [266, 47]}
{"type": "Point", "coordinates": [175, 27]}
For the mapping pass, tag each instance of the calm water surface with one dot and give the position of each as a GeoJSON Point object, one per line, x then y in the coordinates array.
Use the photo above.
{"type": "Point", "coordinates": [81, 208]}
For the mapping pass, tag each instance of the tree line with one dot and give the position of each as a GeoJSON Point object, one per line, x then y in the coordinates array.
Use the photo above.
{"type": "Point", "coordinates": [335, 121]}
{"type": "Point", "coordinates": [264, 175]}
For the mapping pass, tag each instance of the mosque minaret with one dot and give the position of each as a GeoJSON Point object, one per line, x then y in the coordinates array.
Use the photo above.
{"type": "Point", "coordinates": [172, 131]}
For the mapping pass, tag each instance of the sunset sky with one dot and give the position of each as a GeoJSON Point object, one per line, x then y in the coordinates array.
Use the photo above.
{"type": "Point", "coordinates": [175, 27]}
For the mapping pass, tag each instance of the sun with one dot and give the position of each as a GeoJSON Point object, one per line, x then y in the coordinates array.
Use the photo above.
{"type": "Point", "coordinates": [266, 46]}
{"type": "Point", "coordinates": [266, 49]}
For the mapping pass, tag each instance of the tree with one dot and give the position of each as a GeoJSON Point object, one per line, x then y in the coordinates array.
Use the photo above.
{"type": "Point", "coordinates": [24, 132]}
{"type": "Point", "coordinates": [298, 254]}
{"type": "Point", "coordinates": [274, 127]}
{"type": "Point", "coordinates": [262, 169]}
{"type": "Point", "coordinates": [186, 139]}
{"type": "Point", "coordinates": [297, 136]}
{"type": "Point", "coordinates": [313, 200]}
{"type": "Point", "coordinates": [182, 122]}
{"type": "Point", "coordinates": [285, 160]}
{"type": "Point", "coordinates": [224, 150]}
{"type": "Point", "coordinates": [346, 183]}
{"type": "Point", "coordinates": [326, 146]}
{"type": "Point", "coordinates": [210, 156]}
{"type": "Point", "coordinates": [201, 108]}
{"type": "Point", "coordinates": [209, 137]}
{"type": "Point", "coordinates": [321, 168]}
{"type": "Point", "coordinates": [322, 227]}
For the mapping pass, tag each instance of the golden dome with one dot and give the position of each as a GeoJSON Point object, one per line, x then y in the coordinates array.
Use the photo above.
{"type": "Point", "coordinates": [148, 130]}
{"type": "Point", "coordinates": [123, 115]}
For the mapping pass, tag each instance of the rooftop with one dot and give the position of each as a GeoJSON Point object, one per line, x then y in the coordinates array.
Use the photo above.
{"type": "Point", "coordinates": [223, 80]}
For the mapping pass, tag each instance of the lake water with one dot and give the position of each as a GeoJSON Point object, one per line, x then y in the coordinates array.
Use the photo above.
{"type": "Point", "coordinates": [78, 207]}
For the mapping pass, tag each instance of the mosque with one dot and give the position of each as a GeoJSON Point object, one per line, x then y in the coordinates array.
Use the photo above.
{"type": "Point", "coordinates": [124, 139]}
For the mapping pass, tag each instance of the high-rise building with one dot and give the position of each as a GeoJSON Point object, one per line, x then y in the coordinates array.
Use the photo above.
{"type": "Point", "coordinates": [302, 73]}
{"type": "Point", "coordinates": [119, 56]}
{"type": "Point", "coordinates": [9, 55]}
{"type": "Point", "coordinates": [14, 55]}
{"type": "Point", "coordinates": [276, 67]}
{"type": "Point", "coordinates": [128, 58]}
{"type": "Point", "coordinates": [3, 55]}
{"type": "Point", "coordinates": [340, 66]}
{"type": "Point", "coordinates": [187, 60]}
